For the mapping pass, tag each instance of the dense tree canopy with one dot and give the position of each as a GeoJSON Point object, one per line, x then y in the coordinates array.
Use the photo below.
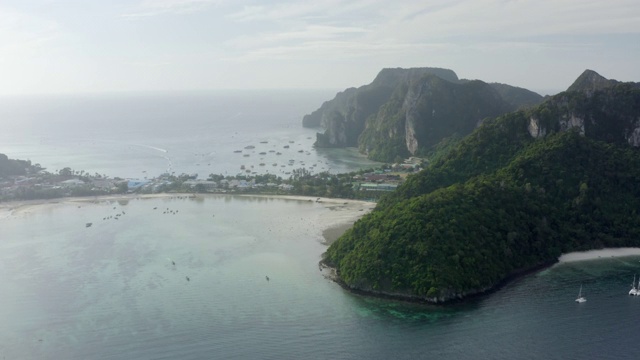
{"type": "Point", "coordinates": [499, 203]}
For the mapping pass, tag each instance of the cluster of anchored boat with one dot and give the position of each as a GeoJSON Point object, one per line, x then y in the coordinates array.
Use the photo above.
{"type": "Point", "coordinates": [635, 290]}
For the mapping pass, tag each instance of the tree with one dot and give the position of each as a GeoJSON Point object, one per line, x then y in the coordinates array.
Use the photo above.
{"type": "Point", "coordinates": [66, 172]}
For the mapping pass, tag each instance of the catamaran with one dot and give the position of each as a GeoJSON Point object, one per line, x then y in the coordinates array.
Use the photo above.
{"type": "Point", "coordinates": [580, 298]}
{"type": "Point", "coordinates": [634, 290]}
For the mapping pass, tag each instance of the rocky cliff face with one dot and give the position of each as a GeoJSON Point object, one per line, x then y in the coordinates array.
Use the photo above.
{"type": "Point", "coordinates": [400, 113]}
{"type": "Point", "coordinates": [599, 108]}
{"type": "Point", "coordinates": [590, 81]}
{"type": "Point", "coordinates": [343, 118]}
{"type": "Point", "coordinates": [425, 111]}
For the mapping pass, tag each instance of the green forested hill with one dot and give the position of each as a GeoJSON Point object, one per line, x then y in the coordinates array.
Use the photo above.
{"type": "Point", "coordinates": [411, 111]}
{"type": "Point", "coordinates": [504, 201]}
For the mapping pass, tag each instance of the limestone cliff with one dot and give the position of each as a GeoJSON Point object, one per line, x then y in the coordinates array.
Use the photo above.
{"type": "Point", "coordinates": [598, 108]}
{"type": "Point", "coordinates": [343, 118]}
{"type": "Point", "coordinates": [426, 110]}
{"type": "Point", "coordinates": [407, 111]}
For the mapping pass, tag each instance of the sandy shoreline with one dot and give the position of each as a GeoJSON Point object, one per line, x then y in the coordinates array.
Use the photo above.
{"type": "Point", "coordinates": [343, 212]}
{"type": "Point", "coordinates": [598, 254]}
{"type": "Point", "coordinates": [21, 206]}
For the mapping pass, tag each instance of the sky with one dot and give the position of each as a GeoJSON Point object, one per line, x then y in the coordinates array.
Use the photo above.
{"type": "Point", "coordinates": [93, 46]}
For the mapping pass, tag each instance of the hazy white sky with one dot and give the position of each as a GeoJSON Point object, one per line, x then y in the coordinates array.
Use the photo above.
{"type": "Point", "coordinates": [71, 46]}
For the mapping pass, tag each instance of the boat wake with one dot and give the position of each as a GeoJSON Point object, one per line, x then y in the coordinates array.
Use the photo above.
{"type": "Point", "coordinates": [151, 147]}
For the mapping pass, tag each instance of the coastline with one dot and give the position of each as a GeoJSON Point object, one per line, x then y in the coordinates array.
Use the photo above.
{"type": "Point", "coordinates": [24, 206]}
{"type": "Point", "coordinates": [343, 212]}
{"type": "Point", "coordinates": [598, 254]}
{"type": "Point", "coordinates": [332, 274]}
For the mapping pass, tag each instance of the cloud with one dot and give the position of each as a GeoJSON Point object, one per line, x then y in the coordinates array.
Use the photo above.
{"type": "Point", "coordinates": [338, 50]}
{"type": "Point", "coordinates": [149, 8]}
{"type": "Point", "coordinates": [341, 28]}
{"type": "Point", "coordinates": [303, 10]}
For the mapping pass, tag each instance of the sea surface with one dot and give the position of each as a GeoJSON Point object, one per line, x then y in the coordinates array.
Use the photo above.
{"type": "Point", "coordinates": [112, 291]}
{"type": "Point", "coordinates": [138, 135]}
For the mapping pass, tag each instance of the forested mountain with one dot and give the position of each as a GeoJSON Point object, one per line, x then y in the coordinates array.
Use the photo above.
{"type": "Point", "coordinates": [510, 197]}
{"type": "Point", "coordinates": [344, 117]}
{"type": "Point", "coordinates": [409, 111]}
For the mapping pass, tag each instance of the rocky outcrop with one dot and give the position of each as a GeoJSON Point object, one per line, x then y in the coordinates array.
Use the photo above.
{"type": "Point", "coordinates": [590, 81]}
{"type": "Point", "coordinates": [633, 138]}
{"type": "Point", "coordinates": [605, 110]}
{"type": "Point", "coordinates": [572, 121]}
{"type": "Point", "coordinates": [535, 129]}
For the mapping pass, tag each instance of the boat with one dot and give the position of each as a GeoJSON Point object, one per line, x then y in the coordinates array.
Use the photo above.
{"type": "Point", "coordinates": [580, 298]}
{"type": "Point", "coordinates": [634, 290]}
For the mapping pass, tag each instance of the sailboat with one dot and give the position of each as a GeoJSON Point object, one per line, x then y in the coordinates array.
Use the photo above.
{"type": "Point", "coordinates": [580, 298]}
{"type": "Point", "coordinates": [634, 290]}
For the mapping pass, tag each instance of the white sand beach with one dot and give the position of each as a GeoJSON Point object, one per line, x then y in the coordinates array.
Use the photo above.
{"type": "Point", "coordinates": [344, 212]}
{"type": "Point", "coordinates": [25, 206]}
{"type": "Point", "coordinates": [597, 254]}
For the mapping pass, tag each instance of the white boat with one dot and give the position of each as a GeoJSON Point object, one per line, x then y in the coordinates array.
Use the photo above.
{"type": "Point", "coordinates": [634, 290]}
{"type": "Point", "coordinates": [580, 298]}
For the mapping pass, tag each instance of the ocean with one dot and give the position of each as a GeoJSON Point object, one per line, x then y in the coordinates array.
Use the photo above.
{"type": "Point", "coordinates": [111, 290]}
{"type": "Point", "coordinates": [142, 135]}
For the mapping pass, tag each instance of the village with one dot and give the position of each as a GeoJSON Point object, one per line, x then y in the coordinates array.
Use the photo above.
{"type": "Point", "coordinates": [37, 183]}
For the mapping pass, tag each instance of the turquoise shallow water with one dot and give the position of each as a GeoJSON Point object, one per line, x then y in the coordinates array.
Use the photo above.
{"type": "Point", "coordinates": [110, 291]}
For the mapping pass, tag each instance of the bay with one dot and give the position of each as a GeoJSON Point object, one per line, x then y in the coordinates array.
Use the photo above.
{"type": "Point", "coordinates": [111, 291]}
{"type": "Point", "coordinates": [137, 135]}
